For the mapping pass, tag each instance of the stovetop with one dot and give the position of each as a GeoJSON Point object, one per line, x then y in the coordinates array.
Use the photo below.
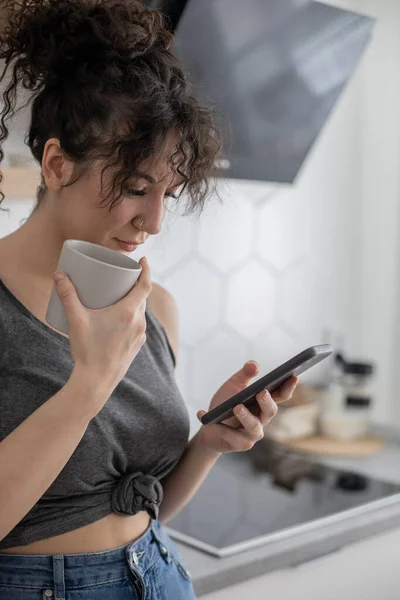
{"type": "Point", "coordinates": [251, 498]}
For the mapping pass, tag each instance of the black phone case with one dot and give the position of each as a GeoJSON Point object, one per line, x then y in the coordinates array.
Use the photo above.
{"type": "Point", "coordinates": [272, 381]}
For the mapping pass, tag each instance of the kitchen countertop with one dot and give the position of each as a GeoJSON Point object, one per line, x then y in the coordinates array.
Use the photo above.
{"type": "Point", "coordinates": [211, 573]}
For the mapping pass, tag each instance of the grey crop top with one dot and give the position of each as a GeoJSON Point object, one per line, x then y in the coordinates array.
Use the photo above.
{"type": "Point", "coordinates": [127, 449]}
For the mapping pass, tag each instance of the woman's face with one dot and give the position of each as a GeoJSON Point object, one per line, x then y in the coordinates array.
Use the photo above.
{"type": "Point", "coordinates": [80, 216]}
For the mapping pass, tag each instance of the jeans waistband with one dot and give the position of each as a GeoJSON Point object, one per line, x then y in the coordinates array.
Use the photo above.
{"type": "Point", "coordinates": [54, 570]}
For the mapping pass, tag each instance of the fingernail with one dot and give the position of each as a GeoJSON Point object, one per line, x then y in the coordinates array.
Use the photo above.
{"type": "Point", "coordinates": [59, 276]}
{"type": "Point", "coordinates": [241, 410]}
{"type": "Point", "coordinates": [264, 395]}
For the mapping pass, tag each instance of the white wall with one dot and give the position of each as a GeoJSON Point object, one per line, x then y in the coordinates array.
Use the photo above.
{"type": "Point", "coordinates": [378, 123]}
{"type": "Point", "coordinates": [380, 115]}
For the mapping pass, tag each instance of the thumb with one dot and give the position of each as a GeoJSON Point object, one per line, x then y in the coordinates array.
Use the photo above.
{"type": "Point", "coordinates": [247, 372]}
{"type": "Point", "coordinates": [67, 294]}
{"type": "Point", "coordinates": [200, 413]}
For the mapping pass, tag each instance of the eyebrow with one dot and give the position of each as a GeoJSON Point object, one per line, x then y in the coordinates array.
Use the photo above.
{"type": "Point", "coordinates": [150, 179]}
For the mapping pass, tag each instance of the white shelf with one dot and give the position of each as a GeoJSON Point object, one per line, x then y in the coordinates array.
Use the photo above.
{"type": "Point", "coordinates": [19, 182]}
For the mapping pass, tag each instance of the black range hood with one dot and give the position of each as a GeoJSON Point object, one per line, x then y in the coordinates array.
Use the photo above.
{"type": "Point", "coordinates": [274, 70]}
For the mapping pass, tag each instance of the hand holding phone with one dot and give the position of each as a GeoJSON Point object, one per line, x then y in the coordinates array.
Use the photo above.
{"type": "Point", "coordinates": [272, 381]}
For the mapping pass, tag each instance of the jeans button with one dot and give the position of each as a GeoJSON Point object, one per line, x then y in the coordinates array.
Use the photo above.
{"type": "Point", "coordinates": [164, 550]}
{"type": "Point", "coordinates": [48, 593]}
{"type": "Point", "coordinates": [135, 558]}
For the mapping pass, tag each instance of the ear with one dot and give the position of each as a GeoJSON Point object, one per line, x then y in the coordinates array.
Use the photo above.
{"type": "Point", "coordinates": [56, 167]}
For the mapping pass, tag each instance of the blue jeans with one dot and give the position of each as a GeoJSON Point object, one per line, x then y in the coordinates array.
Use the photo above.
{"type": "Point", "coordinates": [149, 568]}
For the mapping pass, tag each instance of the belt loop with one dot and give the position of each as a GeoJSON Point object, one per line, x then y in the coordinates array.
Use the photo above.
{"type": "Point", "coordinates": [58, 574]}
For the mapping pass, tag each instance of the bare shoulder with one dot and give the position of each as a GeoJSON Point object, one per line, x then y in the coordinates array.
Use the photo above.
{"type": "Point", "coordinates": [163, 304]}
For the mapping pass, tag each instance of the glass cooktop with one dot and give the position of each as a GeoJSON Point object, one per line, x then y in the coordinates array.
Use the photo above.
{"type": "Point", "coordinates": [251, 498]}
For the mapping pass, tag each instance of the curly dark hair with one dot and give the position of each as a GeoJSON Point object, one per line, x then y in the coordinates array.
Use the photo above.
{"type": "Point", "coordinates": [104, 82]}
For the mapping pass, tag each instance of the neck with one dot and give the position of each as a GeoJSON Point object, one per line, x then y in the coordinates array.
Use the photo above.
{"type": "Point", "coordinates": [35, 247]}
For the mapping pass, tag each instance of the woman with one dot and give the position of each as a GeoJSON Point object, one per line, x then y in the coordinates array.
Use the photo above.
{"type": "Point", "coordinates": [95, 456]}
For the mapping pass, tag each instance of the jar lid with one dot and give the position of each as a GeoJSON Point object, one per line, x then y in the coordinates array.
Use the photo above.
{"type": "Point", "coordinates": [358, 368]}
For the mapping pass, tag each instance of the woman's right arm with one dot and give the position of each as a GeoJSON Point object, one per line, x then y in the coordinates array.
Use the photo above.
{"type": "Point", "coordinates": [103, 344]}
{"type": "Point", "coordinates": [33, 455]}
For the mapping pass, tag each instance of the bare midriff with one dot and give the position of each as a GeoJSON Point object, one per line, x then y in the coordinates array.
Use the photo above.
{"type": "Point", "coordinates": [107, 533]}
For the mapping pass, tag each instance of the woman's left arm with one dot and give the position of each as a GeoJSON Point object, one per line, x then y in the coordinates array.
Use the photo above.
{"type": "Point", "coordinates": [236, 434]}
{"type": "Point", "coordinates": [239, 433]}
{"type": "Point", "coordinates": [186, 478]}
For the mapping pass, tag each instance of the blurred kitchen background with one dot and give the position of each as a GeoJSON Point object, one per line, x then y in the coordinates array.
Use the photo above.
{"type": "Point", "coordinates": [299, 247]}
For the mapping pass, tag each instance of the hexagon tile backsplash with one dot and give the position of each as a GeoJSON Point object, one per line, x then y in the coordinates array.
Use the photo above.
{"type": "Point", "coordinates": [248, 284]}
{"type": "Point", "coordinates": [245, 280]}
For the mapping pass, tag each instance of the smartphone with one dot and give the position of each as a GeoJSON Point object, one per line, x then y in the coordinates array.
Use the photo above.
{"type": "Point", "coordinates": [272, 381]}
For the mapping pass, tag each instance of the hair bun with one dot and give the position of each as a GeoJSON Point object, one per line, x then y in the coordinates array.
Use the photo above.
{"type": "Point", "coordinates": [72, 37]}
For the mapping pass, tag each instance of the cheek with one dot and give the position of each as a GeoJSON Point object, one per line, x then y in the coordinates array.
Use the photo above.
{"type": "Point", "coordinates": [121, 215]}
{"type": "Point", "coordinates": [96, 222]}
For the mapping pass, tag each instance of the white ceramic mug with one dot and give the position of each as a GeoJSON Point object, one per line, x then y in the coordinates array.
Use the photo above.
{"type": "Point", "coordinates": [100, 275]}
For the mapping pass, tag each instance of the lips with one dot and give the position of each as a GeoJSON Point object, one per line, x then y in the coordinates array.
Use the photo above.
{"type": "Point", "coordinates": [127, 246]}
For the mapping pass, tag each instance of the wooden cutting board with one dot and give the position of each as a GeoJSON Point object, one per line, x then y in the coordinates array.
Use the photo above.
{"type": "Point", "coordinates": [319, 444]}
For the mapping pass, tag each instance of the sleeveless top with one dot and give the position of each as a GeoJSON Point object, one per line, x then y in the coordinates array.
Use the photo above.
{"type": "Point", "coordinates": [133, 442]}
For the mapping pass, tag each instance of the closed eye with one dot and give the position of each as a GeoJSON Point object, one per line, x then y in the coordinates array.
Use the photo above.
{"type": "Point", "coordinates": [133, 192]}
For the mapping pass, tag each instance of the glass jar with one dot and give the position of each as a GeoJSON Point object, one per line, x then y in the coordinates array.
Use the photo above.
{"type": "Point", "coordinates": [357, 381]}
{"type": "Point", "coordinates": [349, 417]}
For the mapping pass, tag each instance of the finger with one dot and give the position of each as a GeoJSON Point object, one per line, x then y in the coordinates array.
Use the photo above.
{"type": "Point", "coordinates": [68, 296]}
{"type": "Point", "coordinates": [238, 439]}
{"type": "Point", "coordinates": [142, 288]}
{"type": "Point", "coordinates": [286, 390]}
{"type": "Point", "coordinates": [200, 413]}
{"type": "Point", "coordinates": [268, 407]}
{"type": "Point", "coordinates": [251, 368]}
{"type": "Point", "coordinates": [234, 438]}
{"type": "Point", "coordinates": [251, 424]}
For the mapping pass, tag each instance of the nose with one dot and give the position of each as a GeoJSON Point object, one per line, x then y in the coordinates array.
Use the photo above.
{"type": "Point", "coordinates": [153, 213]}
